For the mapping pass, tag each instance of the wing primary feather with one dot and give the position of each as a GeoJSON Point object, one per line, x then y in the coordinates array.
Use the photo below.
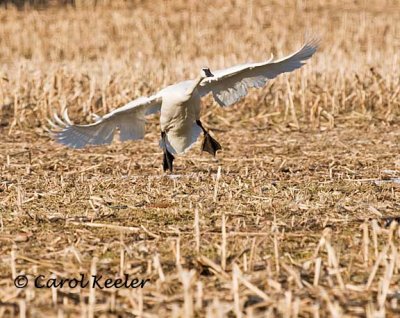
{"type": "Point", "coordinates": [58, 120]}
{"type": "Point", "coordinates": [52, 124]}
{"type": "Point", "coordinates": [66, 117]}
{"type": "Point", "coordinates": [230, 85]}
{"type": "Point", "coordinates": [130, 119]}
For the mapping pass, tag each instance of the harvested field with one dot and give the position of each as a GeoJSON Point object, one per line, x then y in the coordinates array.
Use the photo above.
{"type": "Point", "coordinates": [296, 217]}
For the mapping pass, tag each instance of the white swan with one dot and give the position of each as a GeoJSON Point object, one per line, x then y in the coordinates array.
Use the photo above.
{"type": "Point", "coordinates": [180, 107]}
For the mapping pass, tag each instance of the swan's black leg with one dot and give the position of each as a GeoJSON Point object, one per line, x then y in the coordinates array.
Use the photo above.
{"type": "Point", "coordinates": [168, 158]}
{"type": "Point", "coordinates": [210, 145]}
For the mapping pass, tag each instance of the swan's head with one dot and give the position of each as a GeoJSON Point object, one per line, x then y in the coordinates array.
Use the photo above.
{"type": "Point", "coordinates": [205, 72]}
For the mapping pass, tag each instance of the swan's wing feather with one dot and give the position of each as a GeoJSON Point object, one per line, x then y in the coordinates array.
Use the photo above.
{"type": "Point", "coordinates": [78, 136]}
{"type": "Point", "coordinates": [129, 119]}
{"type": "Point", "coordinates": [230, 85]}
{"type": "Point", "coordinates": [132, 126]}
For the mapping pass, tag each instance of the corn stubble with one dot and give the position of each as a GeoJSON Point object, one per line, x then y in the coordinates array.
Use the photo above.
{"type": "Point", "coordinates": [290, 220]}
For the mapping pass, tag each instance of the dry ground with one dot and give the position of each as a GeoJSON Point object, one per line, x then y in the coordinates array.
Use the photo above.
{"type": "Point", "coordinates": [295, 218]}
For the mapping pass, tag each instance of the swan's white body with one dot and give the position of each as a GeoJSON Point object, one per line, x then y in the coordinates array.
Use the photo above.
{"type": "Point", "coordinates": [179, 105]}
{"type": "Point", "coordinates": [179, 112]}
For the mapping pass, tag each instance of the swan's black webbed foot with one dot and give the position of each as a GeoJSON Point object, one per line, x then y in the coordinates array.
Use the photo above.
{"type": "Point", "coordinates": [168, 158]}
{"type": "Point", "coordinates": [210, 145]}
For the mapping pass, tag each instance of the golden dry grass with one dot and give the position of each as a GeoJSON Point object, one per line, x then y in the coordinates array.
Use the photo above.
{"type": "Point", "coordinates": [289, 221]}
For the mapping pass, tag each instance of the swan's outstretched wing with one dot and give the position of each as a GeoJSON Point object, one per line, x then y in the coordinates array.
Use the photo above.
{"type": "Point", "coordinates": [129, 119]}
{"type": "Point", "coordinates": [230, 85]}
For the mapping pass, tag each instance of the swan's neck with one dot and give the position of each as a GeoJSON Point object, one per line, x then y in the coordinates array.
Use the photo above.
{"type": "Point", "coordinates": [193, 87]}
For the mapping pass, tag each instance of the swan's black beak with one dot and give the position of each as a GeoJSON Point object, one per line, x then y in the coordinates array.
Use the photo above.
{"type": "Point", "coordinates": [207, 72]}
